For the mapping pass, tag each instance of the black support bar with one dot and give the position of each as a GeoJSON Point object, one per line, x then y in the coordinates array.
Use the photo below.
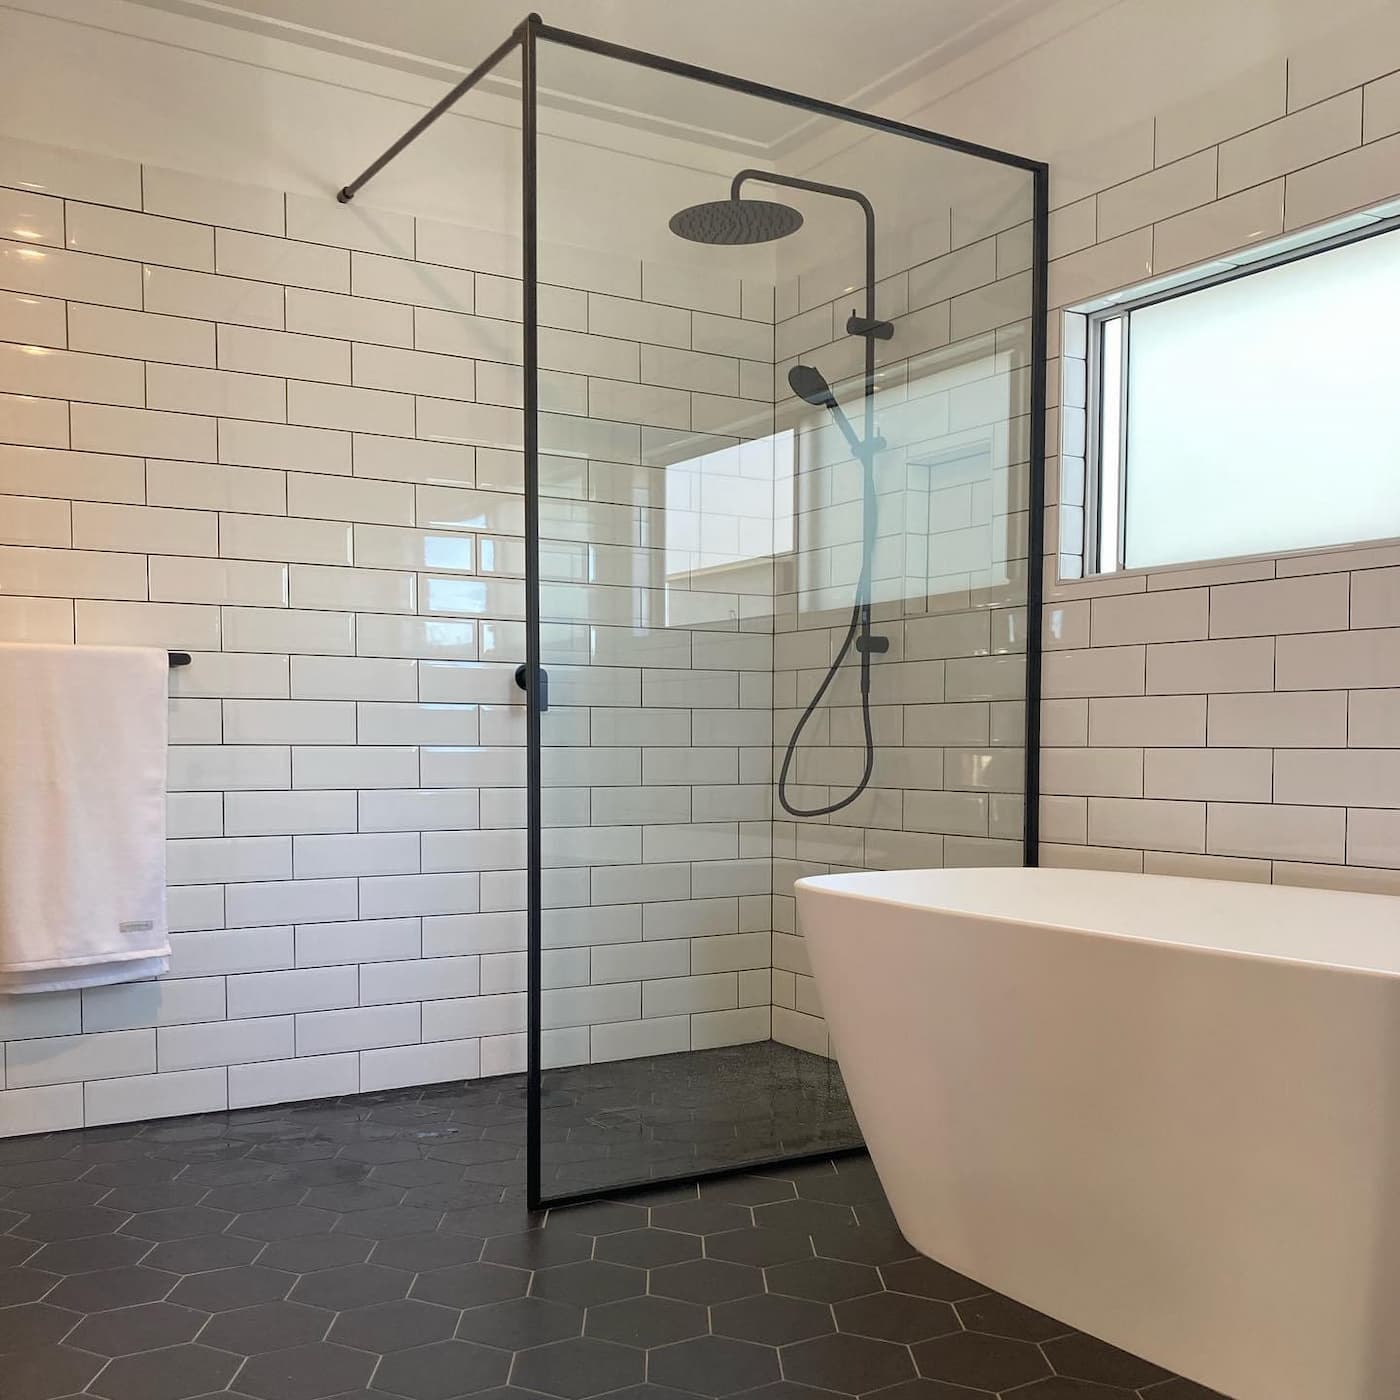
{"type": "Point", "coordinates": [438, 109]}
{"type": "Point", "coordinates": [536, 694]}
{"type": "Point", "coordinates": [817, 106]}
{"type": "Point", "coordinates": [1035, 532]}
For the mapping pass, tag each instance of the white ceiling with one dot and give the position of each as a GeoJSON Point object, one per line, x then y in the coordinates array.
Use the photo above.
{"type": "Point", "coordinates": [850, 51]}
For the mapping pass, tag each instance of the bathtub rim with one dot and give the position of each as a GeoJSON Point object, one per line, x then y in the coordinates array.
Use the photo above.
{"type": "Point", "coordinates": [1383, 962]}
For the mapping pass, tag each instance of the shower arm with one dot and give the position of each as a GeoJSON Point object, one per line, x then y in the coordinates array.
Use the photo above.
{"type": "Point", "coordinates": [867, 325]}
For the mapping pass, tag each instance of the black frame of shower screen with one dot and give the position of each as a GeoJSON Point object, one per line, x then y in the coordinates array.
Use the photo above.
{"type": "Point", "coordinates": [526, 37]}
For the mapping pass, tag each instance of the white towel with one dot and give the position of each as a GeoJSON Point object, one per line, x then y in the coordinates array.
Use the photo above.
{"type": "Point", "coordinates": [82, 815]}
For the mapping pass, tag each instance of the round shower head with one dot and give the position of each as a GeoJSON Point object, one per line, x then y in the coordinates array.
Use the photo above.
{"type": "Point", "coordinates": [736, 221]}
{"type": "Point", "coordinates": [808, 383]}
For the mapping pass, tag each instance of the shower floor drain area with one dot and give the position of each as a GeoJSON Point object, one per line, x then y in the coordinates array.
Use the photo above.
{"type": "Point", "coordinates": [379, 1248]}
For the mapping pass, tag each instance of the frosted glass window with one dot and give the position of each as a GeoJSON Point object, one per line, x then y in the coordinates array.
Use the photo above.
{"type": "Point", "coordinates": [1261, 412]}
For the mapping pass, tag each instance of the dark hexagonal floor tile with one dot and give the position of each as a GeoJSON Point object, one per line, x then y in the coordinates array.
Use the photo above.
{"type": "Point", "coordinates": [704, 1217]}
{"type": "Point", "coordinates": [823, 1280]}
{"type": "Point", "coordinates": [471, 1153]}
{"type": "Point", "coordinates": [539, 1249]}
{"type": "Point", "coordinates": [925, 1389]}
{"type": "Point", "coordinates": [877, 1213]}
{"type": "Point", "coordinates": [70, 1223]}
{"type": "Point", "coordinates": [441, 1371]}
{"type": "Point", "coordinates": [256, 1195]}
{"type": "Point", "coordinates": [804, 1215]}
{"type": "Point", "coordinates": [14, 1251]}
{"type": "Point", "coordinates": [420, 1173]}
{"type": "Point", "coordinates": [929, 1279]}
{"type": "Point", "coordinates": [1067, 1388]}
{"type": "Point", "coordinates": [385, 1327]}
{"type": "Point", "coordinates": [577, 1368]}
{"type": "Point", "coordinates": [647, 1322]}
{"type": "Point", "coordinates": [1178, 1388]}
{"type": "Point", "coordinates": [747, 1190]}
{"type": "Point", "coordinates": [453, 1195]}
{"type": "Point", "coordinates": [47, 1372]}
{"type": "Point", "coordinates": [759, 1246]}
{"type": "Point", "coordinates": [648, 1248]}
{"type": "Point", "coordinates": [846, 1364]}
{"type": "Point", "coordinates": [139, 1171]}
{"type": "Point", "coordinates": [173, 1373]}
{"type": "Point", "coordinates": [111, 1288]}
{"type": "Point", "coordinates": [141, 1328]}
{"type": "Point", "coordinates": [202, 1254]}
{"type": "Point", "coordinates": [241, 1287]}
{"type": "Point", "coordinates": [57, 1195]}
{"type": "Point", "coordinates": [162, 1195]}
{"type": "Point", "coordinates": [1088, 1359]}
{"type": "Point", "coordinates": [42, 1172]}
{"type": "Point", "coordinates": [266, 1327]}
{"type": "Point", "coordinates": [799, 1173]}
{"type": "Point", "coordinates": [504, 1218]}
{"type": "Point", "coordinates": [772, 1319]}
{"type": "Point", "coordinates": [706, 1281]}
{"type": "Point", "coordinates": [86, 1256]}
{"type": "Point", "coordinates": [230, 1173]}
{"type": "Point", "coordinates": [863, 1244]}
{"type": "Point", "coordinates": [130, 1170]}
{"type": "Point", "coordinates": [309, 1254]}
{"type": "Point", "coordinates": [352, 1286]}
{"type": "Point", "coordinates": [282, 1222]}
{"type": "Point", "coordinates": [896, 1317]}
{"type": "Point", "coordinates": [376, 1153]}
{"type": "Point", "coordinates": [645, 1391]}
{"type": "Point", "coordinates": [844, 1189]}
{"type": "Point", "coordinates": [387, 1222]}
{"type": "Point", "coordinates": [421, 1253]}
{"type": "Point", "coordinates": [1003, 1317]}
{"type": "Point", "coordinates": [471, 1285]}
{"type": "Point", "coordinates": [520, 1323]}
{"type": "Point", "coordinates": [597, 1218]}
{"type": "Point", "coordinates": [713, 1366]}
{"type": "Point", "coordinates": [588, 1284]}
{"type": "Point", "coordinates": [25, 1286]}
{"type": "Point", "coordinates": [29, 1326]}
{"type": "Point", "coordinates": [975, 1359]}
{"type": "Point", "coordinates": [305, 1373]}
{"type": "Point", "coordinates": [353, 1196]}
{"type": "Point", "coordinates": [505, 1171]}
{"type": "Point", "coordinates": [177, 1223]}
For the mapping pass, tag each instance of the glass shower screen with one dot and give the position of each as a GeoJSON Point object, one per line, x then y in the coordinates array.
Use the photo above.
{"type": "Point", "coordinates": [783, 380]}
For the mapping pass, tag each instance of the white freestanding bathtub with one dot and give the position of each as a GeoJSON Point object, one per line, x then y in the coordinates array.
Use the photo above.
{"type": "Point", "coordinates": [1165, 1111]}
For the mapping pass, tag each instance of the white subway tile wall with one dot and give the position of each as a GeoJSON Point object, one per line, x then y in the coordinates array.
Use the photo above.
{"type": "Point", "coordinates": [1243, 720]}
{"type": "Point", "coordinates": [253, 427]}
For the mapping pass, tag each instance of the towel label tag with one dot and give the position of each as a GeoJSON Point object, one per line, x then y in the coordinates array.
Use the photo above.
{"type": "Point", "coordinates": [136, 926]}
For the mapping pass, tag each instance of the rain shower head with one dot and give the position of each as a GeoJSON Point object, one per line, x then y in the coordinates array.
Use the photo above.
{"type": "Point", "coordinates": [736, 221]}
{"type": "Point", "coordinates": [808, 383]}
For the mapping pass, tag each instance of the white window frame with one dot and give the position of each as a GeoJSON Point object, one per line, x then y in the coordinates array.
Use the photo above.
{"type": "Point", "coordinates": [1109, 349]}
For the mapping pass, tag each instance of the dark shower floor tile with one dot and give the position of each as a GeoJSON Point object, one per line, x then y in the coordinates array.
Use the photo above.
{"type": "Point", "coordinates": [353, 1250]}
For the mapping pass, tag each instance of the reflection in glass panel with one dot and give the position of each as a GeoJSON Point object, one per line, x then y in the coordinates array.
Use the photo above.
{"type": "Point", "coordinates": [783, 520]}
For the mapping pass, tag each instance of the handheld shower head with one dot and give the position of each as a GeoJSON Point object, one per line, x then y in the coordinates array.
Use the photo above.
{"type": "Point", "coordinates": [808, 383]}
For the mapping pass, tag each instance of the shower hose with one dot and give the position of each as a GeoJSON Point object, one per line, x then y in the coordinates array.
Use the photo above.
{"type": "Point", "coordinates": [858, 635]}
